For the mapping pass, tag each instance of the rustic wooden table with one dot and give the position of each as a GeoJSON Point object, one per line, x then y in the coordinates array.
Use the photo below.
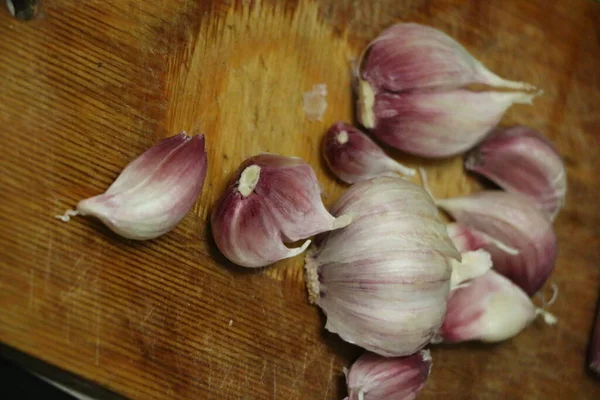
{"type": "Point", "coordinates": [89, 85]}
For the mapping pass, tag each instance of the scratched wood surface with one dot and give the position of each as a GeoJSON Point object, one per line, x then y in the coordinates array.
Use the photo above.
{"type": "Point", "coordinates": [89, 85]}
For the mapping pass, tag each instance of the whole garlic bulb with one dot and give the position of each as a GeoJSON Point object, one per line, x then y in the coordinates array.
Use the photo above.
{"type": "Point", "coordinates": [383, 281]}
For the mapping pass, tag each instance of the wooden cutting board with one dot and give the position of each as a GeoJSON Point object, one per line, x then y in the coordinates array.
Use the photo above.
{"type": "Point", "coordinates": [89, 85]}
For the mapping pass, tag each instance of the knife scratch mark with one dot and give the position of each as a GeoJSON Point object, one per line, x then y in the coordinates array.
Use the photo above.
{"type": "Point", "coordinates": [329, 374]}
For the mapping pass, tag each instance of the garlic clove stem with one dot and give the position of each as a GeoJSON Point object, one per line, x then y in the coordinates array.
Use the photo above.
{"type": "Point", "coordinates": [434, 124]}
{"type": "Point", "coordinates": [516, 222]}
{"type": "Point", "coordinates": [154, 192]}
{"type": "Point", "coordinates": [409, 56]}
{"type": "Point", "coordinates": [521, 160]}
{"type": "Point", "coordinates": [274, 200]}
{"type": "Point", "coordinates": [373, 377]}
{"type": "Point", "coordinates": [352, 156]}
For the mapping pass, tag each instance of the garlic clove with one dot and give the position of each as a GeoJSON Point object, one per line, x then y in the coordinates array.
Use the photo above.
{"type": "Point", "coordinates": [410, 56]}
{"type": "Point", "coordinates": [352, 156]}
{"type": "Point", "coordinates": [274, 200]}
{"type": "Point", "coordinates": [466, 238]}
{"type": "Point", "coordinates": [521, 160]}
{"type": "Point", "coordinates": [373, 377]}
{"type": "Point", "coordinates": [490, 309]}
{"type": "Point", "coordinates": [514, 221]}
{"type": "Point", "coordinates": [435, 124]}
{"type": "Point", "coordinates": [154, 192]}
{"type": "Point", "coordinates": [383, 280]}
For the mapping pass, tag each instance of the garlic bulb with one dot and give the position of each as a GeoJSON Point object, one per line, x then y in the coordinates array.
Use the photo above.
{"type": "Point", "coordinates": [383, 280]}
{"type": "Point", "coordinates": [373, 377]}
{"type": "Point", "coordinates": [515, 222]}
{"type": "Point", "coordinates": [352, 156]}
{"type": "Point", "coordinates": [274, 200]}
{"type": "Point", "coordinates": [434, 124]}
{"type": "Point", "coordinates": [522, 161]}
{"type": "Point", "coordinates": [409, 56]}
{"type": "Point", "coordinates": [490, 308]}
{"type": "Point", "coordinates": [154, 192]}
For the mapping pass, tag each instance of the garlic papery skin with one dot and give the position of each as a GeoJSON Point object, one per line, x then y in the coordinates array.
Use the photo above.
{"type": "Point", "coordinates": [383, 280]}
{"type": "Point", "coordinates": [373, 377]}
{"type": "Point", "coordinates": [489, 308]}
{"type": "Point", "coordinates": [353, 157]}
{"type": "Point", "coordinates": [466, 238]}
{"type": "Point", "coordinates": [521, 160]}
{"type": "Point", "coordinates": [273, 200]}
{"type": "Point", "coordinates": [517, 223]}
{"type": "Point", "coordinates": [435, 124]}
{"type": "Point", "coordinates": [409, 56]}
{"type": "Point", "coordinates": [154, 192]}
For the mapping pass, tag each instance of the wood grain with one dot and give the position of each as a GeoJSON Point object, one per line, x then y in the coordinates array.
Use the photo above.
{"type": "Point", "coordinates": [87, 86]}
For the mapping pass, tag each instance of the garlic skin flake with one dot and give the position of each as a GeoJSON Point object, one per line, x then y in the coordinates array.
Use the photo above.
{"type": "Point", "coordinates": [521, 160]}
{"type": "Point", "coordinates": [383, 280]}
{"type": "Point", "coordinates": [410, 56]}
{"type": "Point", "coordinates": [489, 308]}
{"type": "Point", "coordinates": [517, 223]}
{"type": "Point", "coordinates": [314, 102]}
{"type": "Point", "coordinates": [373, 377]}
{"type": "Point", "coordinates": [434, 124]}
{"type": "Point", "coordinates": [353, 157]}
{"type": "Point", "coordinates": [273, 200]}
{"type": "Point", "coordinates": [154, 192]}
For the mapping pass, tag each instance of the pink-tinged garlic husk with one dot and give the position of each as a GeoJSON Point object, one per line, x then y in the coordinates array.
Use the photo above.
{"type": "Point", "coordinates": [490, 308]}
{"type": "Point", "coordinates": [353, 157]}
{"type": "Point", "coordinates": [409, 56]}
{"type": "Point", "coordinates": [594, 346]}
{"type": "Point", "coordinates": [373, 377]}
{"type": "Point", "coordinates": [466, 239]}
{"type": "Point", "coordinates": [517, 223]}
{"type": "Point", "coordinates": [273, 200]}
{"type": "Point", "coordinates": [521, 160]}
{"type": "Point", "coordinates": [383, 280]}
{"type": "Point", "coordinates": [434, 124]}
{"type": "Point", "coordinates": [154, 192]}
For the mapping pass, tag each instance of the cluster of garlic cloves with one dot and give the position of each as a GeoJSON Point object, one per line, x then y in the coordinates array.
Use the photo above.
{"type": "Point", "coordinates": [394, 258]}
{"type": "Point", "coordinates": [520, 160]}
{"type": "Point", "coordinates": [154, 192]}
{"type": "Point", "coordinates": [412, 92]}
{"type": "Point", "coordinates": [274, 200]}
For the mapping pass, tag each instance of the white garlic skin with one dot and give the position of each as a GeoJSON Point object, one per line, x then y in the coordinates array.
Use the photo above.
{"type": "Point", "coordinates": [154, 192]}
{"type": "Point", "coordinates": [383, 280]}
{"type": "Point", "coordinates": [373, 377]}
{"type": "Point", "coordinates": [273, 200]}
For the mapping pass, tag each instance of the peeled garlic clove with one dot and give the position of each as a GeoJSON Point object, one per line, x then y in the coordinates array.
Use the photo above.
{"type": "Point", "coordinates": [383, 280]}
{"type": "Point", "coordinates": [490, 309]}
{"type": "Point", "coordinates": [154, 192]}
{"type": "Point", "coordinates": [373, 377]}
{"type": "Point", "coordinates": [352, 156]}
{"type": "Point", "coordinates": [434, 124]}
{"type": "Point", "coordinates": [410, 56]}
{"type": "Point", "coordinates": [522, 161]}
{"type": "Point", "coordinates": [517, 223]}
{"type": "Point", "coordinates": [274, 200]}
{"type": "Point", "coordinates": [466, 238]}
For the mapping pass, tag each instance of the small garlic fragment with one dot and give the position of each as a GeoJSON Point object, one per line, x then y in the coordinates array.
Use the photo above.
{"type": "Point", "coordinates": [373, 377]}
{"type": "Point", "coordinates": [274, 200]}
{"type": "Point", "coordinates": [489, 308]}
{"type": "Point", "coordinates": [409, 56]}
{"type": "Point", "coordinates": [515, 222]}
{"type": "Point", "coordinates": [315, 102]}
{"type": "Point", "coordinates": [521, 160]}
{"type": "Point", "coordinates": [154, 192]}
{"type": "Point", "coordinates": [395, 258]}
{"type": "Point", "coordinates": [435, 124]}
{"type": "Point", "coordinates": [352, 156]}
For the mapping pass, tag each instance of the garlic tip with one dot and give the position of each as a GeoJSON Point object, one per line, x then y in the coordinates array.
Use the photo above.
{"type": "Point", "coordinates": [366, 101]}
{"type": "Point", "coordinates": [249, 180]}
